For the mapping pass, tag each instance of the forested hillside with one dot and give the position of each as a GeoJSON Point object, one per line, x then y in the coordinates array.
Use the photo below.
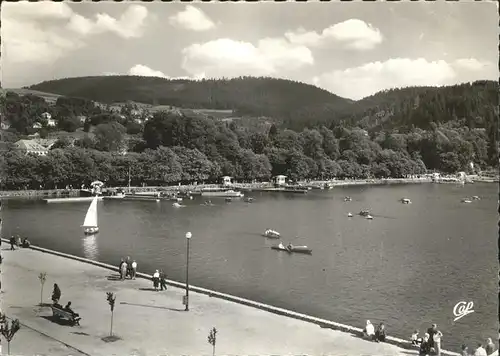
{"type": "Point", "coordinates": [295, 104]}
{"type": "Point", "coordinates": [278, 98]}
{"type": "Point", "coordinates": [391, 134]}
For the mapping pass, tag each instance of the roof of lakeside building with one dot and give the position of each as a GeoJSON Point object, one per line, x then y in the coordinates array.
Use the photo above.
{"type": "Point", "coordinates": [30, 145]}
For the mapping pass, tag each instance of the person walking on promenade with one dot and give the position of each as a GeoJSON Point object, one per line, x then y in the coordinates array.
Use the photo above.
{"type": "Point", "coordinates": [129, 267]}
{"type": "Point", "coordinates": [425, 347]}
{"type": "Point", "coordinates": [156, 279]}
{"type": "Point", "coordinates": [163, 282]}
{"type": "Point", "coordinates": [480, 351]}
{"type": "Point", "coordinates": [134, 269]}
{"type": "Point", "coordinates": [380, 333]}
{"type": "Point", "coordinates": [12, 242]}
{"type": "Point", "coordinates": [415, 338]}
{"type": "Point", "coordinates": [437, 342]}
{"type": "Point", "coordinates": [465, 350]}
{"type": "Point", "coordinates": [430, 331]}
{"type": "Point", "coordinates": [490, 346]}
{"type": "Point", "coordinates": [56, 294]}
{"type": "Point", "coordinates": [369, 331]}
{"type": "Point", "coordinates": [123, 270]}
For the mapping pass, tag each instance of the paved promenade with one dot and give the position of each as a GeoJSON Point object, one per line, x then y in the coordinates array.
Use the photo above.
{"type": "Point", "coordinates": [149, 322]}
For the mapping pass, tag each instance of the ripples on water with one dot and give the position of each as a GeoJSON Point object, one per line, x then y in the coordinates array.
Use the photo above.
{"type": "Point", "coordinates": [408, 267]}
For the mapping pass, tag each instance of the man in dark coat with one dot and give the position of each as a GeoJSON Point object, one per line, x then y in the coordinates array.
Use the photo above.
{"type": "Point", "coordinates": [163, 282]}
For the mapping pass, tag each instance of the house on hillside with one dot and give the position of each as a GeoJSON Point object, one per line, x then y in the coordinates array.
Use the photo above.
{"type": "Point", "coordinates": [82, 118]}
{"type": "Point", "coordinates": [31, 146]}
{"type": "Point", "coordinates": [4, 125]}
{"type": "Point", "coordinates": [37, 125]}
{"type": "Point", "coordinates": [46, 116]}
{"type": "Point", "coordinates": [47, 142]}
{"type": "Point", "coordinates": [51, 122]}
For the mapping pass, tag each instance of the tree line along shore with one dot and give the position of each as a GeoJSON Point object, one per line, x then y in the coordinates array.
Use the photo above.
{"type": "Point", "coordinates": [85, 141]}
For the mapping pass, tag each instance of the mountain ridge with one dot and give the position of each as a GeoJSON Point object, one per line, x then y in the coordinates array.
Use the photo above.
{"type": "Point", "coordinates": [293, 103]}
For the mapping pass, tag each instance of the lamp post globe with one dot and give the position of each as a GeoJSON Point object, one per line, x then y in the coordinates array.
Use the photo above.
{"type": "Point", "coordinates": [188, 237]}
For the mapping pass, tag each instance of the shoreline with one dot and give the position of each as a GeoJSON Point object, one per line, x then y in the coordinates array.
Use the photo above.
{"type": "Point", "coordinates": [323, 323]}
{"type": "Point", "coordinates": [51, 193]}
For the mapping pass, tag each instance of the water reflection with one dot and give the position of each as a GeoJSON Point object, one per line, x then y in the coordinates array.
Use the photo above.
{"type": "Point", "coordinates": [90, 249]}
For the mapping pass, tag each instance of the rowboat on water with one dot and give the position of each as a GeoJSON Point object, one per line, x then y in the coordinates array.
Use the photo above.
{"type": "Point", "coordinates": [272, 234]}
{"type": "Point", "coordinates": [293, 249]}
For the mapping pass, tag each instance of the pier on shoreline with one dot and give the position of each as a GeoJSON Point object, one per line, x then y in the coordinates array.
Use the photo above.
{"type": "Point", "coordinates": [153, 323]}
{"type": "Point", "coordinates": [58, 193]}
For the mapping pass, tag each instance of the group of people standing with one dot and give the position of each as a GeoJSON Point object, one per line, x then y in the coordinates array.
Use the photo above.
{"type": "Point", "coordinates": [430, 344]}
{"type": "Point", "coordinates": [481, 350]}
{"type": "Point", "coordinates": [16, 241]}
{"type": "Point", "coordinates": [128, 268]}
{"type": "Point", "coordinates": [159, 280]}
{"type": "Point", "coordinates": [377, 335]}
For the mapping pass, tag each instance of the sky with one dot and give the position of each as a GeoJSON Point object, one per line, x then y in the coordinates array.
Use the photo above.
{"type": "Point", "coordinates": [350, 49]}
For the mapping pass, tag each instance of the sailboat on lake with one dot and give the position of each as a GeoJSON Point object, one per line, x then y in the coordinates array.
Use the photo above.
{"type": "Point", "coordinates": [90, 226]}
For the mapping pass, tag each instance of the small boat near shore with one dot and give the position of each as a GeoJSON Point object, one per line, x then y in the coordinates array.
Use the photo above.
{"type": "Point", "coordinates": [221, 192]}
{"type": "Point", "coordinates": [346, 199]}
{"type": "Point", "coordinates": [466, 200]}
{"type": "Point", "coordinates": [132, 197]}
{"type": "Point", "coordinates": [293, 249]}
{"type": "Point", "coordinates": [90, 225]}
{"type": "Point", "coordinates": [364, 213]}
{"type": "Point", "coordinates": [405, 201]}
{"type": "Point", "coordinates": [271, 234]}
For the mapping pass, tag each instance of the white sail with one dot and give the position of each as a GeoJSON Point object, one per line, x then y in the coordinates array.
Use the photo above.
{"type": "Point", "coordinates": [91, 217]}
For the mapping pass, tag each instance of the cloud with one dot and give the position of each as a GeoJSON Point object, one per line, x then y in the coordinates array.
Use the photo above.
{"type": "Point", "coordinates": [42, 32]}
{"type": "Point", "coordinates": [144, 71]}
{"type": "Point", "coordinates": [471, 64]}
{"type": "Point", "coordinates": [365, 80]}
{"type": "Point", "coordinates": [228, 58]}
{"type": "Point", "coordinates": [129, 25]}
{"type": "Point", "coordinates": [193, 19]}
{"type": "Point", "coordinates": [353, 34]}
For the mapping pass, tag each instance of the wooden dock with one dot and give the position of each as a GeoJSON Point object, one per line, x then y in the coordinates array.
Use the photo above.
{"type": "Point", "coordinates": [71, 199]}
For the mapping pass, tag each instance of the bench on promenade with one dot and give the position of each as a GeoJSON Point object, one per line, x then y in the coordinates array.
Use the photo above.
{"type": "Point", "coordinates": [63, 314]}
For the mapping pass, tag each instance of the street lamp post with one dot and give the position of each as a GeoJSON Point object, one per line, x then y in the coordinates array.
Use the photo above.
{"type": "Point", "coordinates": [188, 237]}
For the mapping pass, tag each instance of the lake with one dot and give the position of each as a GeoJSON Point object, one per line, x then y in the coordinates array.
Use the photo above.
{"type": "Point", "coordinates": [407, 267]}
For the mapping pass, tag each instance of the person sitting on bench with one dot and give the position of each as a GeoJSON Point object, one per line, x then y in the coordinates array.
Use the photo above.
{"type": "Point", "coordinates": [69, 310]}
